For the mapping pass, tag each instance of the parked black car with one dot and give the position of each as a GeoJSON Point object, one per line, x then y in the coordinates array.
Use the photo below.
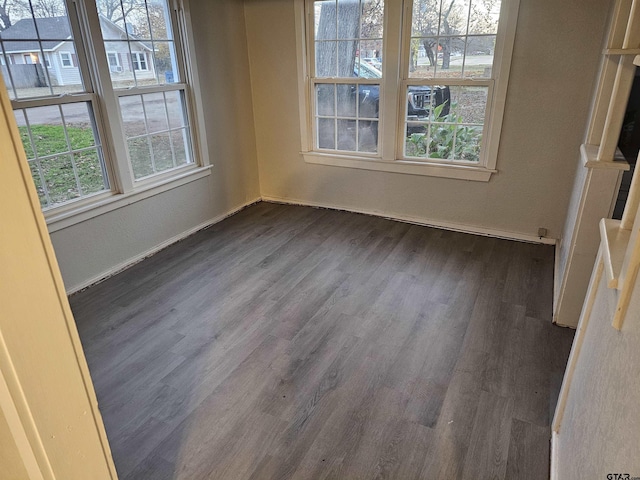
{"type": "Point", "coordinates": [419, 100]}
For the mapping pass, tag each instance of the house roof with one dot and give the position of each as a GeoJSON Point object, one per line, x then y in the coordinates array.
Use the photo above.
{"type": "Point", "coordinates": [54, 29]}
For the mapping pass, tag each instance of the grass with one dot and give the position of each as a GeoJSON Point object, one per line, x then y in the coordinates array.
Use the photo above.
{"type": "Point", "coordinates": [55, 175]}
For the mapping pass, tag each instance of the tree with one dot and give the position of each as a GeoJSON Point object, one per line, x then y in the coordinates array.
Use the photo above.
{"type": "Point", "coordinates": [118, 11]}
{"type": "Point", "coordinates": [153, 24]}
{"type": "Point", "coordinates": [439, 24]}
{"type": "Point", "coordinates": [41, 8]}
{"type": "Point", "coordinates": [5, 15]}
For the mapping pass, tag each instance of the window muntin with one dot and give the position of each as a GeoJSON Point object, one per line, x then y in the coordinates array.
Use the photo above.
{"type": "Point", "coordinates": [347, 46]}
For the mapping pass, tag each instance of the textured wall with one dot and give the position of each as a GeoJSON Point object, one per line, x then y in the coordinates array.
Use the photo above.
{"type": "Point", "coordinates": [600, 430]}
{"type": "Point", "coordinates": [552, 76]}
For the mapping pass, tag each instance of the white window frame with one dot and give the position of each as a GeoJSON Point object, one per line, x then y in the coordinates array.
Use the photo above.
{"type": "Point", "coordinates": [138, 58]}
{"type": "Point", "coordinates": [393, 98]}
{"type": "Point", "coordinates": [94, 66]}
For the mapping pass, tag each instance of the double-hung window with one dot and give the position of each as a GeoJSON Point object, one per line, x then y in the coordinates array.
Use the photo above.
{"type": "Point", "coordinates": [414, 86]}
{"type": "Point", "coordinates": [111, 117]}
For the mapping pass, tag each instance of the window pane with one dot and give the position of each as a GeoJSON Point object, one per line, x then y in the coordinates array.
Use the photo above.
{"type": "Point", "coordinates": [441, 57]}
{"type": "Point", "coordinates": [164, 59]}
{"type": "Point", "coordinates": [326, 60]}
{"type": "Point", "coordinates": [356, 113]}
{"type": "Point", "coordinates": [425, 18]}
{"type": "Point", "coordinates": [162, 152]}
{"type": "Point", "coordinates": [325, 16]}
{"type": "Point", "coordinates": [155, 112]}
{"type": "Point", "coordinates": [157, 136]}
{"type": "Point", "coordinates": [139, 33]}
{"type": "Point", "coordinates": [367, 136]}
{"type": "Point", "coordinates": [348, 19]}
{"type": "Point", "coordinates": [485, 15]}
{"type": "Point", "coordinates": [60, 179]}
{"type": "Point", "coordinates": [454, 15]}
{"type": "Point", "coordinates": [326, 133]}
{"type": "Point", "coordinates": [347, 135]}
{"type": "Point", "coordinates": [79, 125]}
{"type": "Point", "coordinates": [348, 35]}
{"type": "Point", "coordinates": [325, 97]}
{"type": "Point", "coordinates": [347, 98]}
{"type": "Point", "coordinates": [31, 47]}
{"type": "Point", "coordinates": [140, 154]}
{"type": "Point", "coordinates": [370, 55]}
{"type": "Point", "coordinates": [119, 60]}
{"type": "Point", "coordinates": [445, 123]}
{"type": "Point", "coordinates": [468, 104]}
{"type": "Point", "coordinates": [175, 107]}
{"type": "Point", "coordinates": [368, 101]}
{"type": "Point", "coordinates": [90, 170]}
{"type": "Point", "coordinates": [180, 143]}
{"type": "Point", "coordinates": [63, 152]}
{"type": "Point", "coordinates": [132, 115]}
{"type": "Point", "coordinates": [479, 57]}
{"type": "Point", "coordinates": [347, 59]}
{"type": "Point", "coordinates": [372, 20]}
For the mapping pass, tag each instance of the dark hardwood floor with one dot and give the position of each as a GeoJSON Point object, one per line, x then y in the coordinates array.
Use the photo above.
{"type": "Point", "coordinates": [298, 343]}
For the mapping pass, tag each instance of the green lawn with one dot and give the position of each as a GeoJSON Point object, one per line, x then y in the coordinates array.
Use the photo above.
{"type": "Point", "coordinates": [57, 172]}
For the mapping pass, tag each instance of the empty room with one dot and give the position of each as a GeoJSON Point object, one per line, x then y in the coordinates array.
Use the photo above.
{"type": "Point", "coordinates": [313, 239]}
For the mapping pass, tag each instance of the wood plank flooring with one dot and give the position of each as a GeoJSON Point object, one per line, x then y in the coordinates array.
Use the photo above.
{"type": "Point", "coordinates": [298, 343]}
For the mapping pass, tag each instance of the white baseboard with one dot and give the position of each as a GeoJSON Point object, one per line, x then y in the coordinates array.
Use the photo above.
{"type": "Point", "coordinates": [473, 229]}
{"type": "Point", "coordinates": [170, 241]}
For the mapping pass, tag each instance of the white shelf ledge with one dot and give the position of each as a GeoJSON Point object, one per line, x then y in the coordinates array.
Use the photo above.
{"type": "Point", "coordinates": [614, 246]}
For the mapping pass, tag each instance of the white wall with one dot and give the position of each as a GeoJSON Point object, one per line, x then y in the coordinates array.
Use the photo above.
{"type": "Point", "coordinates": [88, 250]}
{"type": "Point", "coordinates": [600, 428]}
{"type": "Point", "coordinates": [555, 60]}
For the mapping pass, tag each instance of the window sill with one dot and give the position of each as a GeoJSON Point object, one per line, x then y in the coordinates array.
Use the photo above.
{"type": "Point", "coordinates": [445, 170]}
{"type": "Point", "coordinates": [80, 211]}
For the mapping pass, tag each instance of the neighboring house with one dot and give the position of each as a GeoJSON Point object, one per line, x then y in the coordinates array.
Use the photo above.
{"type": "Point", "coordinates": [19, 48]}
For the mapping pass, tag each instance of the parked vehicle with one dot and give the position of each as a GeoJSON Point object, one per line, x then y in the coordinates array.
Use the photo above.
{"type": "Point", "coordinates": [420, 100]}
